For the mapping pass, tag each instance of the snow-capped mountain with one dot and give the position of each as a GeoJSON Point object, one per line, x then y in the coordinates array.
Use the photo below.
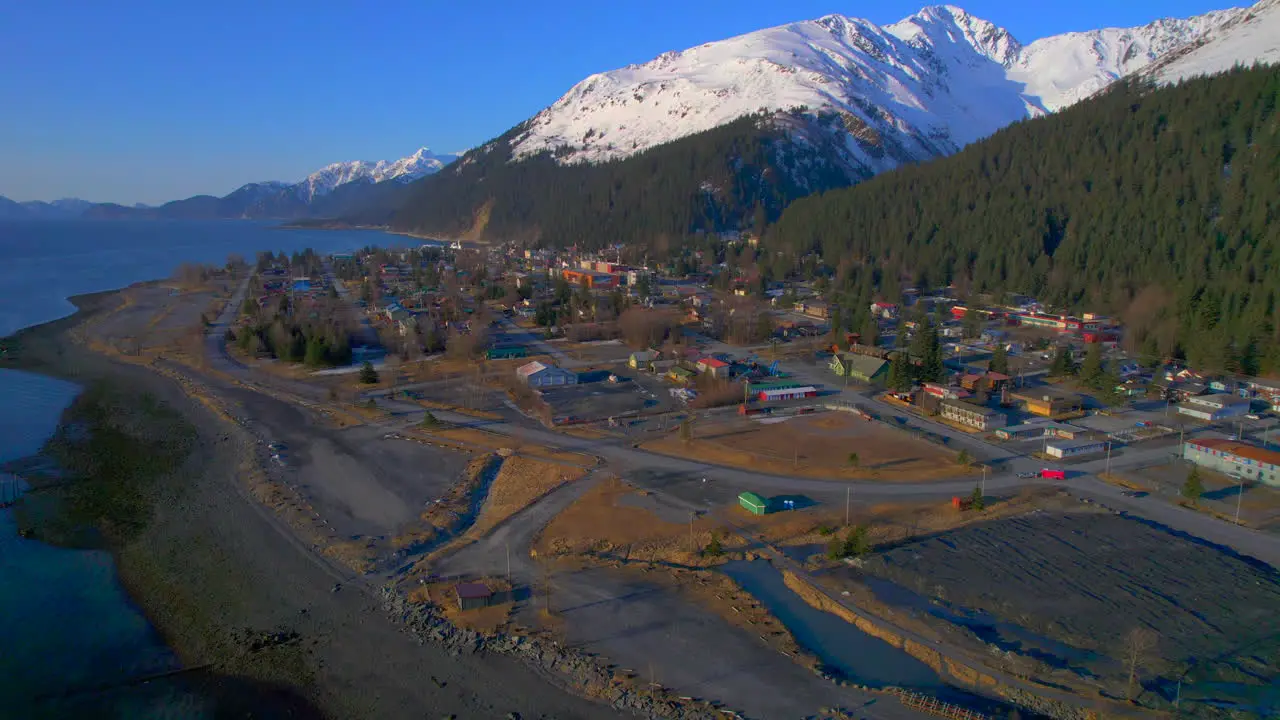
{"type": "Point", "coordinates": [913, 90]}
{"type": "Point", "coordinates": [327, 179]}
{"type": "Point", "coordinates": [1249, 37]}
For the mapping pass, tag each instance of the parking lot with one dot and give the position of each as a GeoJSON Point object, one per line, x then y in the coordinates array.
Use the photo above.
{"type": "Point", "coordinates": [596, 398]}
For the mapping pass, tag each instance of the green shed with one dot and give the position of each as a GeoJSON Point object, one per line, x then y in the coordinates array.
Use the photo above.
{"type": "Point", "coordinates": [753, 503]}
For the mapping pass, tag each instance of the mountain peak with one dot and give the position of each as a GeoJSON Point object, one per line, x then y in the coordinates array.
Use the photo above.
{"type": "Point", "coordinates": [942, 25]}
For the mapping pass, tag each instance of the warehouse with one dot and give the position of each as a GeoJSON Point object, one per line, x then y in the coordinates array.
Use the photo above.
{"type": "Point", "coordinates": [1234, 458]}
{"type": "Point", "coordinates": [795, 393]}
{"type": "Point", "coordinates": [1037, 430]}
{"type": "Point", "coordinates": [1212, 408]}
{"type": "Point", "coordinates": [1063, 449]}
{"type": "Point", "coordinates": [538, 374]}
{"type": "Point", "coordinates": [970, 415]}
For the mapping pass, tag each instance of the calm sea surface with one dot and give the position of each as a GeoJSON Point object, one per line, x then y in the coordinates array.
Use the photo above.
{"type": "Point", "coordinates": [65, 623]}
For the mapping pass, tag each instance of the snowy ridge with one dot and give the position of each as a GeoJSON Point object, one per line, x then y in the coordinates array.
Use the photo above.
{"type": "Point", "coordinates": [327, 179]}
{"type": "Point", "coordinates": [1252, 36]}
{"type": "Point", "coordinates": [912, 90]}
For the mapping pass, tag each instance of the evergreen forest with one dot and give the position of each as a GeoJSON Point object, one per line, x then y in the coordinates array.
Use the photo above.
{"type": "Point", "coordinates": [1161, 206]}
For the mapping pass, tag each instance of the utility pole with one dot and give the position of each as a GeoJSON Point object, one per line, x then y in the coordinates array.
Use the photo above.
{"type": "Point", "coordinates": [693, 545]}
{"type": "Point", "coordinates": [1108, 471]}
{"type": "Point", "coordinates": [1239, 498]}
{"type": "Point", "coordinates": [848, 495]}
{"type": "Point", "coordinates": [983, 489]}
{"type": "Point", "coordinates": [508, 544]}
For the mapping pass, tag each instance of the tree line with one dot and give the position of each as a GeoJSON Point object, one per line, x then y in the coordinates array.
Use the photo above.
{"type": "Point", "coordinates": [1159, 205]}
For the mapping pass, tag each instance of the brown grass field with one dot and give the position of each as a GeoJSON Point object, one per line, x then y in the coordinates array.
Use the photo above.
{"type": "Point", "coordinates": [600, 524]}
{"type": "Point", "coordinates": [519, 483]}
{"type": "Point", "coordinates": [816, 446]}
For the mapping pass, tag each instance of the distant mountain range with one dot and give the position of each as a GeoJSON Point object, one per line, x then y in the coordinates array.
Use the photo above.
{"type": "Point", "coordinates": [332, 190]}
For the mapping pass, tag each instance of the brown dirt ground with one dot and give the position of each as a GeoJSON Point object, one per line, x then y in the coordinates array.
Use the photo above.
{"type": "Point", "coordinates": [821, 443]}
{"type": "Point", "coordinates": [488, 620]}
{"type": "Point", "coordinates": [599, 525]}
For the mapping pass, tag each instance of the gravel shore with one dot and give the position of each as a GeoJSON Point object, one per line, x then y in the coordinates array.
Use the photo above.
{"type": "Point", "coordinates": [265, 627]}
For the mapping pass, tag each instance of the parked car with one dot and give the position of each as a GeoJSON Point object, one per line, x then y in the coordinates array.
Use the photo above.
{"type": "Point", "coordinates": [1027, 474]}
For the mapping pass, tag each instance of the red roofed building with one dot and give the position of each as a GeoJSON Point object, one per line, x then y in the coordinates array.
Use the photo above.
{"type": "Point", "coordinates": [713, 367]}
{"type": "Point", "coordinates": [1235, 459]}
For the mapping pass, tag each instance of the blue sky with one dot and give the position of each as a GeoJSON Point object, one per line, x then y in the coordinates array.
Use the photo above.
{"type": "Point", "coordinates": [148, 101]}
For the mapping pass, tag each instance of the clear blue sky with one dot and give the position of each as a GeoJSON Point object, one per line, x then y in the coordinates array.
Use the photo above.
{"type": "Point", "coordinates": [147, 101]}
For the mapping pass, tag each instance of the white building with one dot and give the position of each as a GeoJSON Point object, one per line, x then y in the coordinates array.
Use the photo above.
{"type": "Point", "coordinates": [1212, 408]}
{"type": "Point", "coordinates": [1062, 449]}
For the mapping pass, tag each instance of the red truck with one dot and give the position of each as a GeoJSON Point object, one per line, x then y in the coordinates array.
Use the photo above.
{"type": "Point", "coordinates": [1053, 474]}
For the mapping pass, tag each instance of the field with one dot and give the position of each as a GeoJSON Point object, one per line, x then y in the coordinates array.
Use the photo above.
{"type": "Point", "coordinates": [1259, 506]}
{"type": "Point", "coordinates": [816, 445]}
{"type": "Point", "coordinates": [1068, 588]}
{"type": "Point", "coordinates": [518, 484]}
{"type": "Point", "coordinates": [614, 521]}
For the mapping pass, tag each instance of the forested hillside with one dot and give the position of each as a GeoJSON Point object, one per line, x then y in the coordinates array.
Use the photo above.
{"type": "Point", "coordinates": [1160, 205]}
{"type": "Point", "coordinates": [733, 177]}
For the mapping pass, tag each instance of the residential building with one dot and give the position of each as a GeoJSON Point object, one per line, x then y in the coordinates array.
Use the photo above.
{"type": "Point", "coordinates": [681, 375]}
{"type": "Point", "coordinates": [640, 359]}
{"type": "Point", "coordinates": [794, 393]}
{"type": "Point", "coordinates": [1212, 408]}
{"type": "Point", "coordinates": [1049, 402]}
{"type": "Point", "coordinates": [1063, 449]}
{"type": "Point", "coordinates": [714, 367]}
{"type": "Point", "coordinates": [1235, 459]}
{"type": "Point", "coordinates": [859, 368]}
{"type": "Point", "coordinates": [813, 308]}
{"type": "Point", "coordinates": [884, 310]}
{"type": "Point", "coordinates": [538, 374]}
{"type": "Point", "coordinates": [972, 415]}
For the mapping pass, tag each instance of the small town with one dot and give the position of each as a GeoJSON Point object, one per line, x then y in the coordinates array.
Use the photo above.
{"type": "Point", "coordinates": [752, 361]}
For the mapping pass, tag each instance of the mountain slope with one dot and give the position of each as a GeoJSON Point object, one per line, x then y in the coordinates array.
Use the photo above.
{"type": "Point", "coordinates": [1252, 36]}
{"type": "Point", "coordinates": [1163, 212]}
{"type": "Point", "coordinates": [336, 189]}
{"type": "Point", "coordinates": [924, 87]}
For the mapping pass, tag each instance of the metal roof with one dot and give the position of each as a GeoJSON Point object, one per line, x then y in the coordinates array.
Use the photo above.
{"type": "Point", "coordinates": [1240, 449]}
{"type": "Point", "coordinates": [472, 591]}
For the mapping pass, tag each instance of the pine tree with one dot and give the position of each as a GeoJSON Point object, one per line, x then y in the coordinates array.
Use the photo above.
{"type": "Point", "coordinates": [368, 375]}
{"type": "Point", "coordinates": [899, 379]}
{"type": "Point", "coordinates": [1091, 372]}
{"type": "Point", "coordinates": [1063, 364]}
{"type": "Point", "coordinates": [999, 360]}
{"type": "Point", "coordinates": [1193, 487]}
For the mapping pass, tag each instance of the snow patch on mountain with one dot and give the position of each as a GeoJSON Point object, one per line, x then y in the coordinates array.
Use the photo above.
{"type": "Point", "coordinates": [407, 169]}
{"type": "Point", "coordinates": [912, 90]}
{"type": "Point", "coordinates": [1251, 37]}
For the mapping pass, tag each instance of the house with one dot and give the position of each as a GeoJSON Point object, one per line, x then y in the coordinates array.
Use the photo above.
{"type": "Point", "coordinates": [792, 393]}
{"type": "Point", "coordinates": [753, 503]}
{"type": "Point", "coordinates": [1235, 459]}
{"type": "Point", "coordinates": [972, 415]}
{"type": "Point", "coordinates": [1049, 402]}
{"type": "Point", "coordinates": [884, 310]}
{"type": "Point", "coordinates": [714, 367]}
{"type": "Point", "coordinates": [860, 368]}
{"type": "Point", "coordinates": [640, 359]}
{"type": "Point", "coordinates": [1212, 408]}
{"type": "Point", "coordinates": [538, 374]}
{"type": "Point", "coordinates": [814, 309]}
{"type": "Point", "coordinates": [681, 375]}
{"type": "Point", "coordinates": [473, 596]}
{"type": "Point", "coordinates": [1063, 449]}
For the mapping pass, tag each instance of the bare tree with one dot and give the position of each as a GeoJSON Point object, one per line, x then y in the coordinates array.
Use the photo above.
{"type": "Point", "coordinates": [1139, 644]}
{"type": "Point", "coordinates": [643, 328]}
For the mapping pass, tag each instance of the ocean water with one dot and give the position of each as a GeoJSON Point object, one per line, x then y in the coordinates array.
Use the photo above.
{"type": "Point", "coordinates": [66, 625]}
{"type": "Point", "coordinates": [44, 263]}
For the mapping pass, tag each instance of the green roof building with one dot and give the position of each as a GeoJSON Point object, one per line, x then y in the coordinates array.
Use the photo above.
{"type": "Point", "coordinates": [753, 503]}
{"type": "Point", "coordinates": [859, 368]}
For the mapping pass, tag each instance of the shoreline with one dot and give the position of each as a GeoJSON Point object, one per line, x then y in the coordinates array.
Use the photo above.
{"type": "Point", "coordinates": [256, 621]}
